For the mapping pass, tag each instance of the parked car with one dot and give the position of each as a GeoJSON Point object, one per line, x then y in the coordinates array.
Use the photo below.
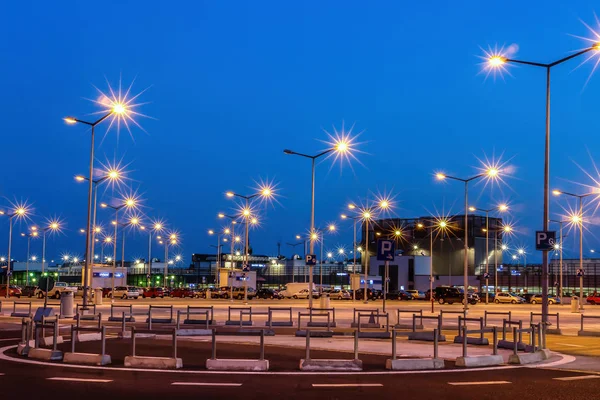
{"type": "Point", "coordinates": [527, 296]}
{"type": "Point", "coordinates": [416, 294]}
{"type": "Point", "coordinates": [447, 294]}
{"type": "Point", "coordinates": [240, 292]}
{"type": "Point", "coordinates": [399, 295]}
{"type": "Point", "coordinates": [124, 292]}
{"type": "Point", "coordinates": [28, 291]}
{"type": "Point", "coordinates": [13, 291]}
{"type": "Point", "coordinates": [153, 292]}
{"type": "Point", "coordinates": [593, 298]}
{"type": "Point", "coordinates": [267, 294]}
{"type": "Point", "coordinates": [303, 294]}
{"type": "Point", "coordinates": [55, 291]}
{"type": "Point", "coordinates": [340, 294]}
{"type": "Point", "coordinates": [508, 298]}
{"type": "Point", "coordinates": [360, 294]}
{"type": "Point", "coordinates": [537, 299]}
{"type": "Point", "coordinates": [182, 292]}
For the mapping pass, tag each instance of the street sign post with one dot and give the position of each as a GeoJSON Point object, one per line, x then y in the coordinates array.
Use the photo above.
{"type": "Point", "coordinates": [386, 249]}
{"type": "Point", "coordinates": [545, 240]}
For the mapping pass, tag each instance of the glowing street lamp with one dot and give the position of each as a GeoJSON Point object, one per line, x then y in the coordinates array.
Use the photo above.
{"type": "Point", "coordinates": [331, 228]}
{"type": "Point", "coordinates": [118, 109]}
{"type": "Point", "coordinates": [491, 172]}
{"type": "Point", "coordinates": [342, 147]}
{"type": "Point", "coordinates": [33, 234]}
{"type": "Point", "coordinates": [219, 245]}
{"type": "Point", "coordinates": [501, 208]}
{"type": "Point", "coordinates": [355, 219]}
{"type": "Point", "coordinates": [559, 246]}
{"type": "Point", "coordinates": [19, 211]}
{"type": "Point", "coordinates": [498, 62]}
{"type": "Point", "coordinates": [53, 226]}
{"type": "Point", "coordinates": [577, 219]}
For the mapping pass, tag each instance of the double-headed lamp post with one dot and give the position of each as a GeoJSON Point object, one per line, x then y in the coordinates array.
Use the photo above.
{"type": "Point", "coordinates": [226, 231]}
{"type": "Point", "coordinates": [248, 217]}
{"type": "Point", "coordinates": [498, 61]}
{"type": "Point", "coordinates": [491, 173]}
{"type": "Point", "coordinates": [119, 109]}
{"type": "Point", "coordinates": [501, 208]}
{"type": "Point", "coordinates": [19, 212]}
{"type": "Point", "coordinates": [577, 219]}
{"type": "Point", "coordinates": [53, 226]}
{"type": "Point", "coordinates": [331, 228]}
{"type": "Point", "coordinates": [234, 240]}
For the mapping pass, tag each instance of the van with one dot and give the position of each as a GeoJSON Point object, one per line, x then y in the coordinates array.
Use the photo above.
{"type": "Point", "coordinates": [291, 289]}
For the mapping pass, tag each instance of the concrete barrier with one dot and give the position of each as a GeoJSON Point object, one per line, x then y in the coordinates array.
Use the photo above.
{"type": "Point", "coordinates": [473, 340]}
{"type": "Point", "coordinates": [87, 359]}
{"type": "Point", "coordinates": [45, 354]}
{"type": "Point", "coordinates": [479, 361]}
{"type": "Point", "coordinates": [237, 365]}
{"type": "Point", "coordinates": [414, 364]}
{"type": "Point", "coordinates": [529, 358]}
{"type": "Point", "coordinates": [194, 332]}
{"type": "Point", "coordinates": [49, 340]}
{"type": "Point", "coordinates": [153, 362]}
{"type": "Point", "coordinates": [324, 365]}
{"type": "Point", "coordinates": [425, 336]}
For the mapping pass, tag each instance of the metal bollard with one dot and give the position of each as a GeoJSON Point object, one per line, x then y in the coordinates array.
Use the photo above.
{"type": "Point", "coordinates": [307, 357]}
{"type": "Point", "coordinates": [481, 326]}
{"type": "Point", "coordinates": [262, 344]}
{"type": "Point", "coordinates": [464, 343]}
{"type": "Point", "coordinates": [393, 344]}
{"type": "Point", "coordinates": [435, 343]}
{"type": "Point", "coordinates": [541, 336]}
{"type": "Point", "coordinates": [214, 345]}
{"type": "Point", "coordinates": [520, 330]}
{"type": "Point", "coordinates": [532, 340]}
{"type": "Point", "coordinates": [55, 338]}
{"type": "Point", "coordinates": [73, 339]}
{"type": "Point", "coordinates": [123, 324]}
{"type": "Point", "coordinates": [150, 318]}
{"type": "Point", "coordinates": [495, 338]}
{"type": "Point", "coordinates": [356, 344]}
{"type": "Point", "coordinates": [174, 342]}
{"type": "Point", "coordinates": [516, 349]}
{"type": "Point", "coordinates": [133, 341]}
{"type": "Point", "coordinates": [414, 323]}
{"type": "Point", "coordinates": [179, 316]}
{"type": "Point", "coordinates": [103, 339]}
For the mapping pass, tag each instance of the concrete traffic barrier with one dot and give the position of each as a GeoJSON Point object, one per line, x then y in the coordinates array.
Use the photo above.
{"type": "Point", "coordinates": [479, 361]}
{"type": "Point", "coordinates": [153, 362]}
{"type": "Point", "coordinates": [87, 359]}
{"type": "Point", "coordinates": [194, 332]}
{"type": "Point", "coordinates": [414, 364]}
{"type": "Point", "coordinates": [324, 365]}
{"type": "Point", "coordinates": [529, 358]}
{"type": "Point", "coordinates": [237, 365]}
{"type": "Point", "coordinates": [45, 354]}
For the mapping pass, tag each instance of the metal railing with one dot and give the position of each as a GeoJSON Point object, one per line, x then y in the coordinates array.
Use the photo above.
{"type": "Point", "coordinates": [21, 314]}
{"type": "Point", "coordinates": [270, 321]}
{"type": "Point", "coordinates": [364, 310]}
{"type": "Point", "coordinates": [583, 317]}
{"type": "Point", "coordinates": [129, 315]}
{"type": "Point", "coordinates": [307, 354]}
{"type": "Point", "coordinates": [46, 324]}
{"type": "Point", "coordinates": [242, 311]}
{"type": "Point", "coordinates": [386, 316]}
{"type": "Point", "coordinates": [464, 332]}
{"type": "Point", "coordinates": [98, 317]}
{"type": "Point", "coordinates": [321, 311]}
{"type": "Point", "coordinates": [199, 310]}
{"type": "Point", "coordinates": [171, 332]}
{"type": "Point", "coordinates": [442, 312]}
{"type": "Point", "coordinates": [101, 329]}
{"type": "Point", "coordinates": [532, 342]}
{"type": "Point", "coordinates": [261, 345]}
{"type": "Point", "coordinates": [462, 323]}
{"type": "Point", "coordinates": [422, 317]}
{"type": "Point", "coordinates": [161, 320]}
{"type": "Point", "coordinates": [81, 311]}
{"type": "Point", "coordinates": [508, 323]}
{"type": "Point", "coordinates": [206, 313]}
{"type": "Point", "coordinates": [310, 322]}
{"type": "Point", "coordinates": [418, 313]}
{"type": "Point", "coordinates": [435, 343]}
{"type": "Point", "coordinates": [502, 313]}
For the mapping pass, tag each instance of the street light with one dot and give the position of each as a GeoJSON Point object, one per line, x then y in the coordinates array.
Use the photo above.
{"type": "Point", "coordinates": [157, 227]}
{"type": "Point", "coordinates": [53, 226]}
{"type": "Point", "coordinates": [355, 218]}
{"type": "Point", "coordinates": [491, 173]}
{"type": "Point", "coordinates": [498, 61]}
{"type": "Point", "coordinates": [266, 192]}
{"type": "Point", "coordinates": [342, 147]}
{"type": "Point", "coordinates": [559, 246]}
{"type": "Point", "coordinates": [33, 234]}
{"type": "Point", "coordinates": [120, 110]}
{"type": "Point", "coordinates": [19, 211]}
{"type": "Point", "coordinates": [227, 231]}
{"type": "Point", "coordinates": [234, 239]}
{"type": "Point", "coordinates": [331, 228]}
{"type": "Point", "coordinates": [501, 208]}
{"type": "Point", "coordinates": [577, 219]}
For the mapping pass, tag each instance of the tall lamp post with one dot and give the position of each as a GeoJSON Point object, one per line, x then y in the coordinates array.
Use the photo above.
{"type": "Point", "coordinates": [559, 246]}
{"type": "Point", "coordinates": [330, 228]}
{"type": "Point", "coordinates": [119, 109]}
{"type": "Point", "coordinates": [355, 218]}
{"type": "Point", "coordinates": [18, 212]}
{"type": "Point", "coordinates": [501, 208]}
{"type": "Point", "coordinates": [491, 173]}
{"type": "Point", "coordinates": [234, 240]}
{"type": "Point", "coordinates": [340, 147]}
{"type": "Point", "coordinates": [293, 245]}
{"type": "Point", "coordinates": [498, 62]}
{"type": "Point", "coordinates": [33, 234]}
{"type": "Point", "coordinates": [577, 219]}
{"type": "Point", "coordinates": [265, 193]}
{"type": "Point", "coordinates": [157, 227]}
{"type": "Point", "coordinates": [226, 231]}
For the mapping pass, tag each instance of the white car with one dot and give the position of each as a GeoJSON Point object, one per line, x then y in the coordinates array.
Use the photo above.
{"type": "Point", "coordinates": [56, 290]}
{"type": "Point", "coordinates": [508, 298]}
{"type": "Point", "coordinates": [125, 292]}
{"type": "Point", "coordinates": [340, 294]}
{"type": "Point", "coordinates": [303, 294]}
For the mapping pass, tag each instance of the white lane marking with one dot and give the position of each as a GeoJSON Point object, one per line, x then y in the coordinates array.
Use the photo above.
{"type": "Point", "coordinates": [347, 385]}
{"type": "Point", "coordinates": [478, 383]}
{"type": "Point", "coordinates": [569, 345]}
{"type": "Point", "coordinates": [205, 384]}
{"type": "Point", "coordinates": [576, 378]}
{"type": "Point", "coordinates": [60, 378]}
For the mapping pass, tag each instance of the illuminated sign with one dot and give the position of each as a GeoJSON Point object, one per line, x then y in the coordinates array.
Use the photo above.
{"type": "Point", "coordinates": [102, 274]}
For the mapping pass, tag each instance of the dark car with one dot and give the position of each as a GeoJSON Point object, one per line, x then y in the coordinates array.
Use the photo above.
{"type": "Point", "coordinates": [267, 294]}
{"type": "Point", "coordinates": [182, 292]}
{"type": "Point", "coordinates": [526, 296]}
{"type": "Point", "coordinates": [153, 292]}
{"type": "Point", "coordinates": [28, 291]}
{"type": "Point", "coordinates": [360, 294]}
{"type": "Point", "coordinates": [399, 295]}
{"type": "Point", "coordinates": [450, 295]}
{"type": "Point", "coordinates": [239, 293]}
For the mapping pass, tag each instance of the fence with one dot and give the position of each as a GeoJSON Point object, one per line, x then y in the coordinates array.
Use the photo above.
{"type": "Point", "coordinates": [242, 311]}
{"type": "Point", "coordinates": [124, 314]}
{"type": "Point", "coordinates": [80, 310]}
{"type": "Point", "coordinates": [171, 332]}
{"type": "Point", "coordinates": [435, 344]}
{"type": "Point", "coordinates": [21, 314]}
{"type": "Point", "coordinates": [502, 313]}
{"type": "Point", "coordinates": [583, 332]}
{"type": "Point", "coordinates": [270, 323]}
{"type": "Point", "coordinates": [373, 311]}
{"type": "Point", "coordinates": [321, 311]}
{"type": "Point", "coordinates": [214, 345]}
{"type": "Point", "coordinates": [442, 312]}
{"type": "Point", "coordinates": [209, 311]}
{"type": "Point", "coordinates": [412, 325]}
{"type": "Point", "coordinates": [163, 320]}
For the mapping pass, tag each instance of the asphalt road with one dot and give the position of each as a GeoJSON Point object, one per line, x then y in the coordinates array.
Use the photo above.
{"type": "Point", "coordinates": [42, 381]}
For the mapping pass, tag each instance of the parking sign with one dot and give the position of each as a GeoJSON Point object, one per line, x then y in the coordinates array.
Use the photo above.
{"type": "Point", "coordinates": [385, 250]}
{"type": "Point", "coordinates": [311, 259]}
{"type": "Point", "coordinates": [545, 240]}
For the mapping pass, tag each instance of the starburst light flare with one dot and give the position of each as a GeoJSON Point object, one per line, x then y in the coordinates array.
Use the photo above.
{"type": "Point", "coordinates": [344, 146]}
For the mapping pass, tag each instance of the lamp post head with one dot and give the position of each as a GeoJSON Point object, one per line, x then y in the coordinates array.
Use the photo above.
{"type": "Point", "coordinates": [472, 209]}
{"type": "Point", "coordinates": [496, 61]}
{"type": "Point", "coordinates": [229, 194]}
{"type": "Point", "coordinates": [211, 232]}
{"type": "Point", "coordinates": [556, 192]}
{"type": "Point", "coordinates": [119, 108]}
{"type": "Point", "coordinates": [440, 177]}
{"type": "Point", "coordinates": [503, 207]}
{"type": "Point", "coordinates": [288, 151]}
{"type": "Point", "coordinates": [70, 120]}
{"type": "Point", "coordinates": [221, 215]}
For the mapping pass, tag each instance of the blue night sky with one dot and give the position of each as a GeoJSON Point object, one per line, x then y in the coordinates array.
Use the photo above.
{"type": "Point", "coordinates": [234, 83]}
